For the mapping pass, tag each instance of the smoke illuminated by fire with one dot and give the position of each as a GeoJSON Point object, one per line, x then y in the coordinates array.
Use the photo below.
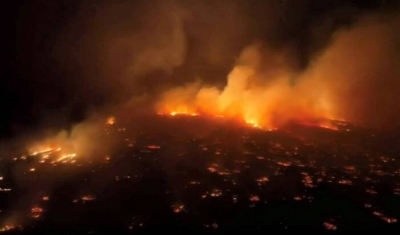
{"type": "Point", "coordinates": [264, 89]}
{"type": "Point", "coordinates": [64, 147]}
{"type": "Point", "coordinates": [261, 98]}
{"type": "Point", "coordinates": [183, 59]}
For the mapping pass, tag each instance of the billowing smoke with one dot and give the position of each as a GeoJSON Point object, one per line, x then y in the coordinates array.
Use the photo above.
{"type": "Point", "coordinates": [358, 72]}
{"type": "Point", "coordinates": [76, 58]}
{"type": "Point", "coordinates": [264, 62]}
{"type": "Point", "coordinates": [72, 64]}
{"type": "Point", "coordinates": [354, 78]}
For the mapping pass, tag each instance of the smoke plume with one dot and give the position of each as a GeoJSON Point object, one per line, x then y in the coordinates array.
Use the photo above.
{"type": "Point", "coordinates": [69, 65]}
{"type": "Point", "coordinates": [274, 60]}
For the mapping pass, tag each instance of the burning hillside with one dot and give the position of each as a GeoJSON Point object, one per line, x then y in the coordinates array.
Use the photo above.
{"type": "Point", "coordinates": [191, 166]}
{"type": "Point", "coordinates": [200, 115]}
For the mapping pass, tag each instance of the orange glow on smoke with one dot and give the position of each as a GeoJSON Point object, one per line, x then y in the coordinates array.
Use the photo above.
{"type": "Point", "coordinates": [252, 96]}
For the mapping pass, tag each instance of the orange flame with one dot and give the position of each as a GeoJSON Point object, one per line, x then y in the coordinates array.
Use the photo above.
{"type": "Point", "coordinates": [260, 99]}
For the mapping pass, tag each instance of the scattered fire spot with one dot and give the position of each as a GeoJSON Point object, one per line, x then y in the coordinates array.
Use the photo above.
{"type": "Point", "coordinates": [385, 218]}
{"type": "Point", "coordinates": [345, 182]}
{"type": "Point", "coordinates": [216, 193]}
{"type": "Point", "coordinates": [254, 198]}
{"type": "Point", "coordinates": [36, 212]}
{"type": "Point", "coordinates": [262, 180]}
{"type": "Point", "coordinates": [285, 164]}
{"type": "Point", "coordinates": [153, 147]}
{"type": "Point", "coordinates": [88, 198]}
{"type": "Point", "coordinates": [371, 191]}
{"type": "Point", "coordinates": [178, 208]}
{"type": "Point", "coordinates": [330, 226]}
{"type": "Point", "coordinates": [110, 121]}
{"type": "Point", "coordinates": [298, 198]}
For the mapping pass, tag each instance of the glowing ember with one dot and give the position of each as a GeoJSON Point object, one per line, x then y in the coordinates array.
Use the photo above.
{"type": "Point", "coordinates": [254, 198]}
{"type": "Point", "coordinates": [212, 169]}
{"type": "Point", "coordinates": [214, 225]}
{"type": "Point", "coordinates": [88, 198]}
{"type": "Point", "coordinates": [371, 191]}
{"type": "Point", "coordinates": [396, 191]}
{"type": "Point", "coordinates": [178, 208]}
{"type": "Point", "coordinates": [262, 180]}
{"type": "Point", "coordinates": [345, 182]}
{"type": "Point", "coordinates": [216, 193]}
{"type": "Point", "coordinates": [330, 226]}
{"type": "Point", "coordinates": [8, 228]}
{"type": "Point", "coordinates": [385, 218]}
{"type": "Point", "coordinates": [367, 206]}
{"type": "Point", "coordinates": [390, 220]}
{"type": "Point", "coordinates": [307, 180]}
{"type": "Point", "coordinates": [36, 212]}
{"type": "Point", "coordinates": [153, 147]}
{"type": "Point", "coordinates": [224, 173]}
{"type": "Point", "coordinates": [285, 164]}
{"type": "Point", "coordinates": [110, 121]}
{"type": "Point", "coordinates": [234, 198]}
{"type": "Point", "coordinates": [45, 198]}
{"type": "Point", "coordinates": [298, 198]}
{"type": "Point", "coordinates": [350, 168]}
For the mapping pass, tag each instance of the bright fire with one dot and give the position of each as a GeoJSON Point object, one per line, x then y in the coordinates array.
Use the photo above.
{"type": "Point", "coordinates": [253, 123]}
{"type": "Point", "coordinates": [253, 96]}
{"type": "Point", "coordinates": [110, 121]}
{"type": "Point", "coordinates": [56, 154]}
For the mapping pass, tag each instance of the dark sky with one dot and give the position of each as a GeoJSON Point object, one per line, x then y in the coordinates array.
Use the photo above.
{"type": "Point", "coordinates": [62, 58]}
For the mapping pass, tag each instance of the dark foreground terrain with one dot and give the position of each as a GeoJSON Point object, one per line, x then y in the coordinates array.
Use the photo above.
{"type": "Point", "coordinates": [199, 175]}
